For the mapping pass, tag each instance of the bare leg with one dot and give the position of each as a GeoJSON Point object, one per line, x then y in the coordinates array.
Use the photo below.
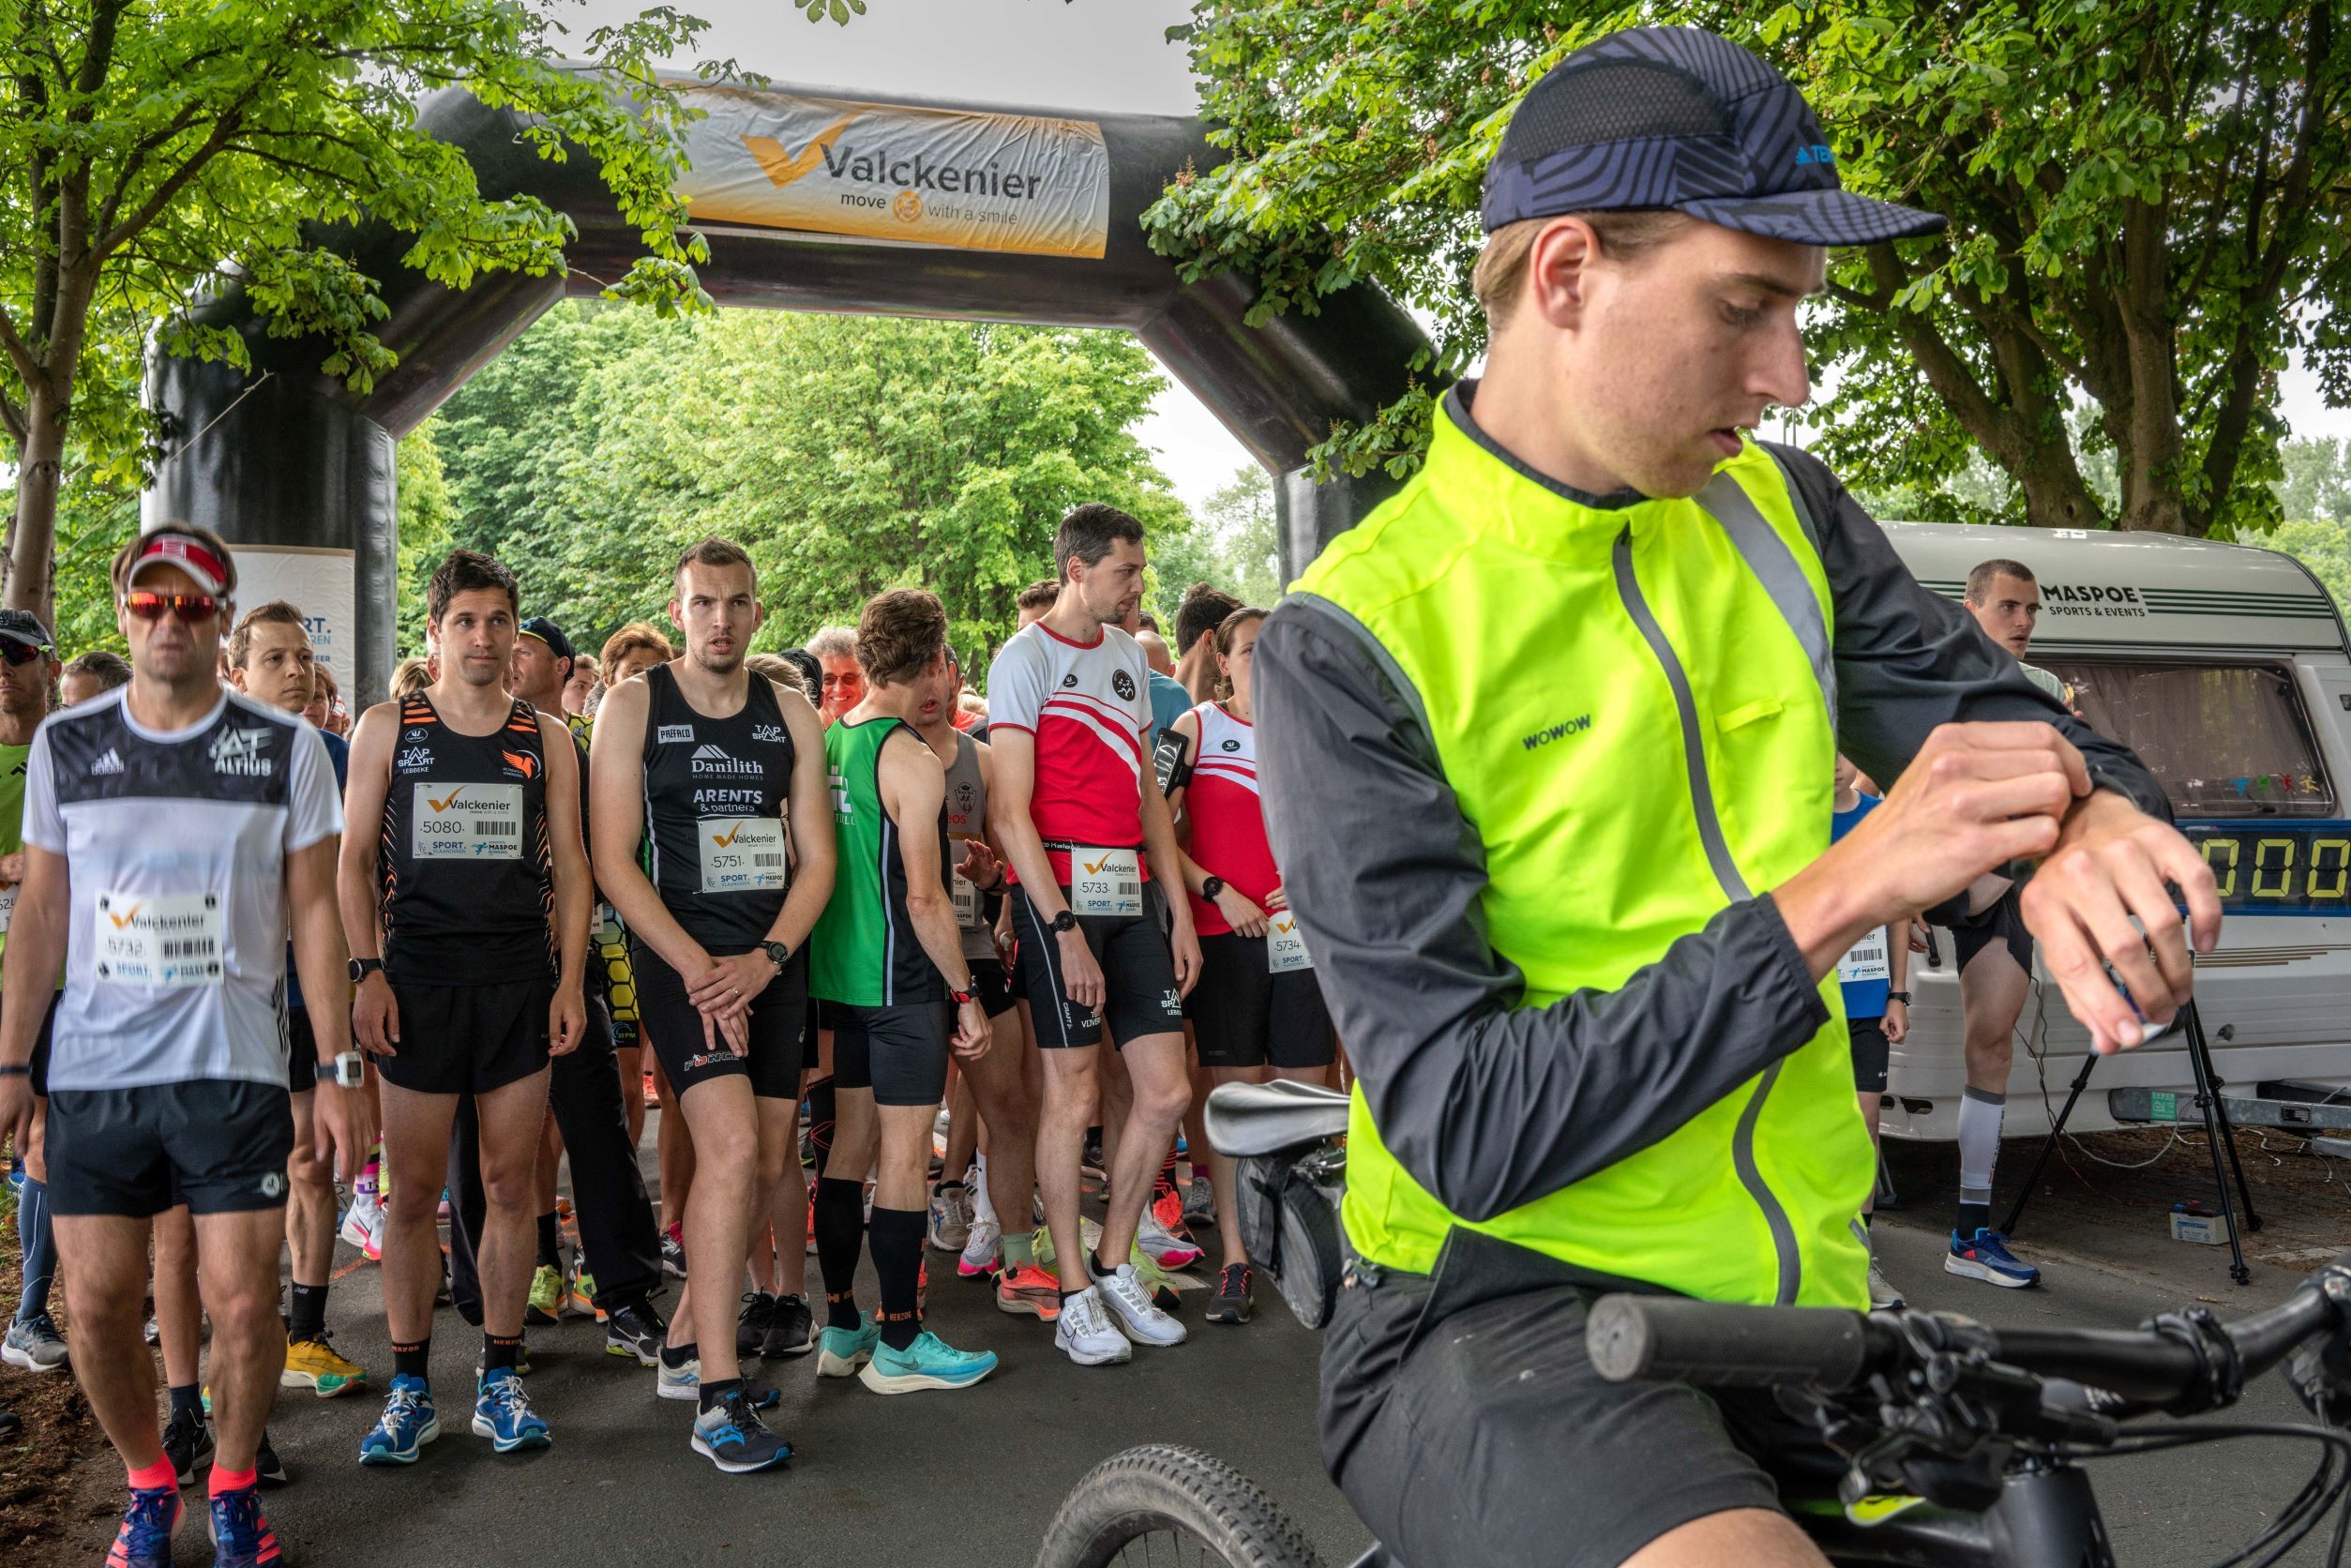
{"type": "Point", "coordinates": [178, 1310]}
{"type": "Point", "coordinates": [511, 1118]}
{"type": "Point", "coordinates": [310, 1200]}
{"type": "Point", "coordinates": [790, 1229]}
{"type": "Point", "coordinates": [904, 1134]}
{"type": "Point", "coordinates": [963, 1129]}
{"type": "Point", "coordinates": [237, 1258]}
{"type": "Point", "coordinates": [1117, 1107]}
{"type": "Point", "coordinates": [776, 1121]}
{"type": "Point", "coordinates": [1071, 1094]}
{"type": "Point", "coordinates": [1224, 1178]}
{"type": "Point", "coordinates": [722, 1114]}
{"type": "Point", "coordinates": [1162, 1088]}
{"type": "Point", "coordinates": [415, 1143]}
{"type": "Point", "coordinates": [674, 1143]}
{"type": "Point", "coordinates": [102, 1289]}
{"type": "Point", "coordinates": [998, 1085]}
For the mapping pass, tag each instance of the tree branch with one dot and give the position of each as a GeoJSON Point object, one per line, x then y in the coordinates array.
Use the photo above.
{"type": "Point", "coordinates": [28, 369]}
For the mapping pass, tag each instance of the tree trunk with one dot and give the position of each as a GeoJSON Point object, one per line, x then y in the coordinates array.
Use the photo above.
{"type": "Point", "coordinates": [2054, 495]}
{"type": "Point", "coordinates": [25, 577]}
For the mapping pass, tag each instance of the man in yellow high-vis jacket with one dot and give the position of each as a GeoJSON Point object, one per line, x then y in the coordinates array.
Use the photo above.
{"type": "Point", "coordinates": [1549, 742]}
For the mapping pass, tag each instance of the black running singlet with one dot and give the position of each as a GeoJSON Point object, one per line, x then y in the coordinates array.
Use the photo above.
{"type": "Point", "coordinates": [716, 790]}
{"type": "Point", "coordinates": [468, 885]}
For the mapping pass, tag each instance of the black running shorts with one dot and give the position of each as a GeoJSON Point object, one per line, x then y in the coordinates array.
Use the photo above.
{"type": "Point", "coordinates": [991, 982]}
{"type": "Point", "coordinates": [467, 1039]}
{"type": "Point", "coordinates": [778, 1020]}
{"type": "Point", "coordinates": [1138, 982]}
{"type": "Point", "coordinates": [1244, 1015]}
{"type": "Point", "coordinates": [1870, 1054]}
{"type": "Point", "coordinates": [2003, 923]}
{"type": "Point", "coordinates": [220, 1147]}
{"type": "Point", "coordinates": [900, 1053]}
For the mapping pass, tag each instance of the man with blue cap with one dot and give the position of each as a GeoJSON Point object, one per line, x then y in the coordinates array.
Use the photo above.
{"type": "Point", "coordinates": [1548, 743]}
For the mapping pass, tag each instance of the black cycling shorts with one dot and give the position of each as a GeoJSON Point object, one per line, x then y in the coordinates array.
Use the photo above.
{"type": "Point", "coordinates": [467, 1039]}
{"type": "Point", "coordinates": [217, 1146]}
{"type": "Point", "coordinates": [1463, 1419]}
{"type": "Point", "coordinates": [1870, 1052]}
{"type": "Point", "coordinates": [900, 1053]}
{"type": "Point", "coordinates": [1138, 983]}
{"type": "Point", "coordinates": [991, 982]}
{"type": "Point", "coordinates": [1244, 1015]}
{"type": "Point", "coordinates": [301, 1053]}
{"type": "Point", "coordinates": [778, 1021]}
{"type": "Point", "coordinates": [2004, 922]}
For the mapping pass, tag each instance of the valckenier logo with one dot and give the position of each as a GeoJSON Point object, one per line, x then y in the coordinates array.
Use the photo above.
{"type": "Point", "coordinates": [908, 174]}
{"type": "Point", "coordinates": [239, 752]}
{"type": "Point", "coordinates": [712, 758]}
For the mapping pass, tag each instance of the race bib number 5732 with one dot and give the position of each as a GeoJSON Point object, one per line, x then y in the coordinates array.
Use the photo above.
{"type": "Point", "coordinates": [169, 939]}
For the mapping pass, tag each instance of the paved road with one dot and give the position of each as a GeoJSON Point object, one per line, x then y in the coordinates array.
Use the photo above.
{"type": "Point", "coordinates": [971, 1478]}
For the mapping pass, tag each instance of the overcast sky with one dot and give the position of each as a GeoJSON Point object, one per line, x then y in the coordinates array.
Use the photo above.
{"type": "Point", "coordinates": [1090, 54]}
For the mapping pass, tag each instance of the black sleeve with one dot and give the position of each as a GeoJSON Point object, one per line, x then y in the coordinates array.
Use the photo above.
{"type": "Point", "coordinates": [1488, 1106]}
{"type": "Point", "coordinates": [1908, 659]}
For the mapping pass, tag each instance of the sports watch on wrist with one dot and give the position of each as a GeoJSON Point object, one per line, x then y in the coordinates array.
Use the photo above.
{"type": "Point", "coordinates": [351, 1070]}
{"type": "Point", "coordinates": [779, 954]}
{"type": "Point", "coordinates": [362, 968]}
{"type": "Point", "coordinates": [1903, 997]}
{"type": "Point", "coordinates": [1211, 886]}
{"type": "Point", "coordinates": [1065, 921]}
{"type": "Point", "coordinates": [959, 998]}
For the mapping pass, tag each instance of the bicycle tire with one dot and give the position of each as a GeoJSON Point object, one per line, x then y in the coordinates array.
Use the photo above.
{"type": "Point", "coordinates": [1165, 1487]}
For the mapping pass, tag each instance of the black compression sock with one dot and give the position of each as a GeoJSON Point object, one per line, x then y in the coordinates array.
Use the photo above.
{"type": "Point", "coordinates": [412, 1361]}
{"type": "Point", "coordinates": [1972, 1218]}
{"type": "Point", "coordinates": [675, 1356]}
{"type": "Point", "coordinates": [305, 1313]}
{"type": "Point", "coordinates": [840, 1230]}
{"type": "Point", "coordinates": [895, 1238]}
{"type": "Point", "coordinates": [551, 1242]}
{"type": "Point", "coordinates": [498, 1351]}
{"type": "Point", "coordinates": [189, 1402]}
{"type": "Point", "coordinates": [714, 1395]}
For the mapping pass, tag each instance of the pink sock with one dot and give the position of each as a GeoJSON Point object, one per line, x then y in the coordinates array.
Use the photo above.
{"type": "Point", "coordinates": [157, 1477]}
{"type": "Point", "coordinates": [232, 1481]}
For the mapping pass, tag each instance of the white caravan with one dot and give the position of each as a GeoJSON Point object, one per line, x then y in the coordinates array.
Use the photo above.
{"type": "Point", "coordinates": [2225, 667]}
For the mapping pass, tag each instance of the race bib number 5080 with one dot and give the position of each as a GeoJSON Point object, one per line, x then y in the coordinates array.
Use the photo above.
{"type": "Point", "coordinates": [169, 939]}
{"type": "Point", "coordinates": [467, 821]}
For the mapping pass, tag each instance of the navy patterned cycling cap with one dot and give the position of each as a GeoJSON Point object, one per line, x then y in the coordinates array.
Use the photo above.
{"type": "Point", "coordinates": [1680, 119]}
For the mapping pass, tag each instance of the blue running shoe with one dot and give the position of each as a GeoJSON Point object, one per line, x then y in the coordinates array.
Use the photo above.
{"type": "Point", "coordinates": [146, 1539]}
{"type": "Point", "coordinates": [241, 1538]}
{"type": "Point", "coordinates": [1986, 1257]}
{"type": "Point", "coordinates": [930, 1362]}
{"type": "Point", "coordinates": [406, 1426]}
{"type": "Point", "coordinates": [730, 1435]}
{"type": "Point", "coordinates": [502, 1414]}
{"type": "Point", "coordinates": [841, 1351]}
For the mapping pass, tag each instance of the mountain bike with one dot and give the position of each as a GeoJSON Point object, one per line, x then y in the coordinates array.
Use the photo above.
{"type": "Point", "coordinates": [1964, 1446]}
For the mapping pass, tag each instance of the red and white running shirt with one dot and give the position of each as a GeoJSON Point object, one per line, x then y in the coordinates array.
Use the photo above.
{"type": "Point", "coordinates": [1227, 821]}
{"type": "Point", "coordinates": [1089, 707]}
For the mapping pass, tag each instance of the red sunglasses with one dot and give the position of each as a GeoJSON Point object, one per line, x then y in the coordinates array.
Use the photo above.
{"type": "Point", "coordinates": [192, 609]}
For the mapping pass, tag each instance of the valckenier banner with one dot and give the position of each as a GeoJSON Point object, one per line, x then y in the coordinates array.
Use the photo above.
{"type": "Point", "coordinates": [968, 180]}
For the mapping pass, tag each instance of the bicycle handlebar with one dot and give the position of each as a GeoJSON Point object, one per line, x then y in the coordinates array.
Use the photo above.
{"type": "Point", "coordinates": [2180, 1362]}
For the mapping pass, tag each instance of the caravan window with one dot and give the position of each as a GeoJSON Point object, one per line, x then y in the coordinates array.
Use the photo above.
{"type": "Point", "coordinates": [2226, 740]}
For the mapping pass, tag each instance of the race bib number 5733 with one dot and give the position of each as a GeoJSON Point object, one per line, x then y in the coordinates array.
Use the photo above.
{"type": "Point", "coordinates": [169, 939]}
{"type": "Point", "coordinates": [1105, 882]}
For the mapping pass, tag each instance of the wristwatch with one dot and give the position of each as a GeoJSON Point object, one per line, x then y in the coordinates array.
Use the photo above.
{"type": "Point", "coordinates": [351, 1070]}
{"type": "Point", "coordinates": [779, 954]}
{"type": "Point", "coordinates": [362, 968]}
{"type": "Point", "coordinates": [1212, 886]}
{"type": "Point", "coordinates": [1903, 997]}
{"type": "Point", "coordinates": [1065, 921]}
{"type": "Point", "coordinates": [959, 998]}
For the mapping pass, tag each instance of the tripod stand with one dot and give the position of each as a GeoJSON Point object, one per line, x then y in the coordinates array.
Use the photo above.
{"type": "Point", "coordinates": [2216, 1132]}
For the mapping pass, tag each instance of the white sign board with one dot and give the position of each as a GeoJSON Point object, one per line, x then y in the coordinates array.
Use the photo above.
{"type": "Point", "coordinates": [321, 583]}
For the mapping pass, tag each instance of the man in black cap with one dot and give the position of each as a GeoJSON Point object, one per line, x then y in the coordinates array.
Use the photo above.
{"type": "Point", "coordinates": [1595, 1029]}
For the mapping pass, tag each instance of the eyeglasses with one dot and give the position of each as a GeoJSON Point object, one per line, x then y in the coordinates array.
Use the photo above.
{"type": "Point", "coordinates": [192, 609]}
{"type": "Point", "coordinates": [20, 653]}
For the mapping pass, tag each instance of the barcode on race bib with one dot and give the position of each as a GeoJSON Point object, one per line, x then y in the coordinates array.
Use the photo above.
{"type": "Point", "coordinates": [767, 860]}
{"type": "Point", "coordinates": [497, 830]}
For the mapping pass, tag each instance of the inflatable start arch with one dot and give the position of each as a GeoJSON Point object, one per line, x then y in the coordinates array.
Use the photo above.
{"type": "Point", "coordinates": [809, 201]}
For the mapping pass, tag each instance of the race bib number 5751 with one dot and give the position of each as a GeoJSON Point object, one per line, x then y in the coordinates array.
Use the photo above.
{"type": "Point", "coordinates": [169, 939]}
{"type": "Point", "coordinates": [742, 854]}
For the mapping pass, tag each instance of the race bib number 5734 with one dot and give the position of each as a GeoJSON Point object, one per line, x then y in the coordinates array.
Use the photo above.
{"type": "Point", "coordinates": [169, 939]}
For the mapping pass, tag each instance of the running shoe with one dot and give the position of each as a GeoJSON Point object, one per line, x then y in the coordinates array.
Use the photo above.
{"type": "Point", "coordinates": [1231, 1304]}
{"type": "Point", "coordinates": [1986, 1257]}
{"type": "Point", "coordinates": [317, 1366]}
{"type": "Point", "coordinates": [1091, 1163]}
{"type": "Point", "coordinates": [546, 1307]}
{"type": "Point", "coordinates": [1167, 1205]}
{"type": "Point", "coordinates": [187, 1443]}
{"type": "Point", "coordinates": [983, 1251]}
{"type": "Point", "coordinates": [678, 1382]}
{"type": "Point", "coordinates": [581, 1294]}
{"type": "Point", "coordinates": [444, 1213]}
{"type": "Point", "coordinates": [730, 1435]}
{"type": "Point", "coordinates": [522, 1364]}
{"type": "Point", "coordinates": [635, 1331]}
{"type": "Point", "coordinates": [267, 1468]}
{"type": "Point", "coordinates": [1085, 1331]}
{"type": "Point", "coordinates": [1166, 1248]}
{"type": "Point", "coordinates": [144, 1540]}
{"type": "Point", "coordinates": [673, 1251]}
{"type": "Point", "coordinates": [1883, 1297]}
{"type": "Point", "coordinates": [841, 1351]}
{"type": "Point", "coordinates": [406, 1426]}
{"type": "Point", "coordinates": [154, 1335]}
{"type": "Point", "coordinates": [930, 1362]}
{"type": "Point", "coordinates": [502, 1414]}
{"type": "Point", "coordinates": [1199, 1202]}
{"type": "Point", "coordinates": [1129, 1298]}
{"type": "Point", "coordinates": [363, 1224]}
{"type": "Point", "coordinates": [1027, 1289]}
{"type": "Point", "coordinates": [950, 1218]}
{"type": "Point", "coordinates": [33, 1344]}
{"type": "Point", "coordinates": [652, 1095]}
{"type": "Point", "coordinates": [241, 1538]}
{"type": "Point", "coordinates": [750, 1324]}
{"type": "Point", "coordinates": [791, 1329]}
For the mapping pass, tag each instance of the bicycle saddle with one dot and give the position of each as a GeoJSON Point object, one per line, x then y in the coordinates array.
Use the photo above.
{"type": "Point", "coordinates": [1258, 1119]}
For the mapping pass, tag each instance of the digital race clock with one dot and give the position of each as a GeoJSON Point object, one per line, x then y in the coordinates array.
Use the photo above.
{"type": "Point", "coordinates": [2277, 867]}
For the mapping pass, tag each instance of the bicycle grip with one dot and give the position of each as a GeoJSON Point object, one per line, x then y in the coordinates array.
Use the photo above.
{"type": "Point", "coordinates": [1723, 1344]}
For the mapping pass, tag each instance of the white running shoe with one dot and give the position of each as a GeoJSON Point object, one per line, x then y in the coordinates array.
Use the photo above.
{"type": "Point", "coordinates": [363, 1224]}
{"type": "Point", "coordinates": [984, 1251]}
{"type": "Point", "coordinates": [950, 1218]}
{"type": "Point", "coordinates": [1199, 1202]}
{"type": "Point", "coordinates": [1086, 1333]}
{"type": "Point", "coordinates": [680, 1382]}
{"type": "Point", "coordinates": [1129, 1301]}
{"type": "Point", "coordinates": [1164, 1248]}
